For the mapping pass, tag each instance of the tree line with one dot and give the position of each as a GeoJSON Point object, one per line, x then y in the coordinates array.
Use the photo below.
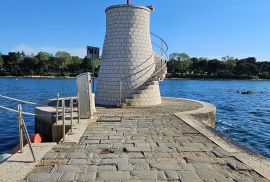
{"type": "Point", "coordinates": [45, 64]}
{"type": "Point", "coordinates": [180, 65]}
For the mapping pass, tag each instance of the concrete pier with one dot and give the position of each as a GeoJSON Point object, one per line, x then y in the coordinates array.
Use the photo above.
{"type": "Point", "coordinates": [152, 144]}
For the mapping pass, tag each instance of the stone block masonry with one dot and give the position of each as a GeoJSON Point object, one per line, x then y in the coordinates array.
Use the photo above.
{"type": "Point", "coordinates": [150, 144]}
{"type": "Point", "coordinates": [127, 50]}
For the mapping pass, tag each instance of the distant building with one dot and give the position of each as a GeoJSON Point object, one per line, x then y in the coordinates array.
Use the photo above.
{"type": "Point", "coordinates": [92, 52]}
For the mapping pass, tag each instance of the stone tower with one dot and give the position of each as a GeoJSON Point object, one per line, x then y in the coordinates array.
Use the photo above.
{"type": "Point", "coordinates": [127, 62]}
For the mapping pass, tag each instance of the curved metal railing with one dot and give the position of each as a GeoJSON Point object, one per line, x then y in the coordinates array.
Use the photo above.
{"type": "Point", "coordinates": [147, 69]}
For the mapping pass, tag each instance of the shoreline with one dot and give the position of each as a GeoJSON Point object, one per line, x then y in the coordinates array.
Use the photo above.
{"type": "Point", "coordinates": [39, 77]}
{"type": "Point", "coordinates": [71, 77]}
{"type": "Point", "coordinates": [223, 79]}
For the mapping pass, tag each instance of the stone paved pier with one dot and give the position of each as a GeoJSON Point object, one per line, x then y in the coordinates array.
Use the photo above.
{"type": "Point", "coordinates": [147, 144]}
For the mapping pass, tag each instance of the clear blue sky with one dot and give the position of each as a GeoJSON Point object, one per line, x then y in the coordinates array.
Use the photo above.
{"type": "Point", "coordinates": [206, 28]}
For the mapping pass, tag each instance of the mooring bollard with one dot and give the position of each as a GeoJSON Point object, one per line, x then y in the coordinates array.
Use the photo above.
{"type": "Point", "coordinates": [71, 114]}
{"type": "Point", "coordinates": [63, 119]}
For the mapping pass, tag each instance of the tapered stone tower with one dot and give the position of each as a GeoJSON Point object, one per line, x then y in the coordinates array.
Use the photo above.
{"type": "Point", "coordinates": [127, 62]}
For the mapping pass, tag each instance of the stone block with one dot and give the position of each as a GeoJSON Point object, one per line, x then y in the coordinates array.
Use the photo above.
{"type": "Point", "coordinates": [112, 175]}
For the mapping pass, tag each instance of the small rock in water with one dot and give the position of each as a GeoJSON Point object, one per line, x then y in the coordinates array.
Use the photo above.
{"type": "Point", "coordinates": [247, 92]}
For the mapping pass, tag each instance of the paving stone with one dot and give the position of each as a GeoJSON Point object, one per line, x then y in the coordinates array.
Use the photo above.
{"type": "Point", "coordinates": [199, 160]}
{"type": "Point", "coordinates": [124, 166]}
{"type": "Point", "coordinates": [161, 176]}
{"type": "Point", "coordinates": [239, 166]}
{"type": "Point", "coordinates": [43, 176]}
{"type": "Point", "coordinates": [50, 155]}
{"type": "Point", "coordinates": [202, 166]}
{"type": "Point", "coordinates": [139, 164]}
{"type": "Point", "coordinates": [138, 149]}
{"type": "Point", "coordinates": [91, 141]}
{"type": "Point", "coordinates": [144, 175]}
{"type": "Point", "coordinates": [113, 161]}
{"type": "Point", "coordinates": [71, 168]}
{"type": "Point", "coordinates": [189, 176]}
{"type": "Point", "coordinates": [92, 168]}
{"type": "Point", "coordinates": [206, 175]}
{"type": "Point", "coordinates": [113, 175]}
{"type": "Point", "coordinates": [189, 149]}
{"type": "Point", "coordinates": [187, 167]}
{"type": "Point", "coordinates": [165, 166]}
{"type": "Point", "coordinates": [171, 175]}
{"type": "Point", "coordinates": [151, 144]}
{"type": "Point", "coordinates": [78, 161]}
{"type": "Point", "coordinates": [68, 176]}
{"type": "Point", "coordinates": [78, 155]}
{"type": "Point", "coordinates": [89, 176]}
{"type": "Point", "coordinates": [43, 169]}
{"type": "Point", "coordinates": [220, 152]}
{"type": "Point", "coordinates": [107, 168]}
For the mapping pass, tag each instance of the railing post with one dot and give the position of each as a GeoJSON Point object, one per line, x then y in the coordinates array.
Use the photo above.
{"type": "Point", "coordinates": [71, 114]}
{"type": "Point", "coordinates": [20, 127]}
{"type": "Point", "coordinates": [120, 93]}
{"type": "Point", "coordinates": [63, 118]}
{"type": "Point", "coordinates": [28, 140]}
{"type": "Point", "coordinates": [78, 108]}
{"type": "Point", "coordinates": [57, 107]}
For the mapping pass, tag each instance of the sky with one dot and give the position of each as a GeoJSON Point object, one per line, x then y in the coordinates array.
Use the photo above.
{"type": "Point", "coordinates": [200, 28]}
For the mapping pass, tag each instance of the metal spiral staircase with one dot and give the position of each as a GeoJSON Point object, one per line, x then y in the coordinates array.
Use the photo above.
{"type": "Point", "coordinates": [139, 94]}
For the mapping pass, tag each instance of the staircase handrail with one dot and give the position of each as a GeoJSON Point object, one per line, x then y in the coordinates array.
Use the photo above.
{"type": "Point", "coordinates": [152, 64]}
{"type": "Point", "coordinates": [164, 53]}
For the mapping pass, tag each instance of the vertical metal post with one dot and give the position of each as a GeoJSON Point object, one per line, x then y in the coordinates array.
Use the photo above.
{"type": "Point", "coordinates": [78, 108]}
{"type": "Point", "coordinates": [71, 114]}
{"type": "Point", "coordinates": [128, 2]}
{"type": "Point", "coordinates": [28, 139]}
{"type": "Point", "coordinates": [20, 127]}
{"type": "Point", "coordinates": [57, 108]}
{"type": "Point", "coordinates": [63, 118]}
{"type": "Point", "coordinates": [93, 87]}
{"type": "Point", "coordinates": [120, 93]}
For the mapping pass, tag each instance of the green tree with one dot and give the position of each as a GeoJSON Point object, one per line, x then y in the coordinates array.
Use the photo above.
{"type": "Point", "coordinates": [30, 65]}
{"type": "Point", "coordinates": [1, 62]}
{"type": "Point", "coordinates": [181, 62]}
{"type": "Point", "coordinates": [44, 62]}
{"type": "Point", "coordinates": [75, 65]}
{"type": "Point", "coordinates": [13, 61]}
{"type": "Point", "coordinates": [64, 59]}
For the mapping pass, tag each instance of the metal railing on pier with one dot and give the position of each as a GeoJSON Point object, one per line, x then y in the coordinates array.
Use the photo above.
{"type": "Point", "coordinates": [59, 112]}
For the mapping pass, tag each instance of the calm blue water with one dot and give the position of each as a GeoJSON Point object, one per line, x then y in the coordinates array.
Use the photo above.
{"type": "Point", "coordinates": [244, 118]}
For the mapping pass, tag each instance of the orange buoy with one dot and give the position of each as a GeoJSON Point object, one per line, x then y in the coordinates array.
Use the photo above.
{"type": "Point", "coordinates": [36, 138]}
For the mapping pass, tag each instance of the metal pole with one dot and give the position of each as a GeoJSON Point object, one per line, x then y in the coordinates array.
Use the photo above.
{"type": "Point", "coordinates": [78, 107]}
{"type": "Point", "coordinates": [71, 114]}
{"type": "Point", "coordinates": [28, 140]}
{"type": "Point", "coordinates": [128, 2]}
{"type": "Point", "coordinates": [120, 93]}
{"type": "Point", "coordinates": [20, 127]}
{"type": "Point", "coordinates": [63, 118]}
{"type": "Point", "coordinates": [57, 107]}
{"type": "Point", "coordinates": [93, 88]}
